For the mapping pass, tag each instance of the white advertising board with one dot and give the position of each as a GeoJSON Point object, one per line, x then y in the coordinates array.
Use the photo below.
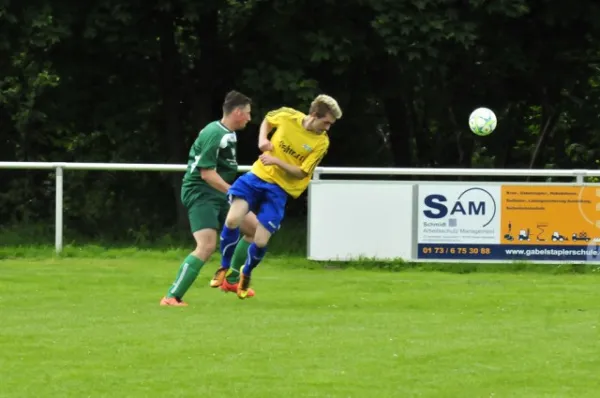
{"type": "Point", "coordinates": [355, 219]}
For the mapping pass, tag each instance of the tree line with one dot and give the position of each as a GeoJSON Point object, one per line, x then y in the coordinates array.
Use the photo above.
{"type": "Point", "coordinates": [134, 81]}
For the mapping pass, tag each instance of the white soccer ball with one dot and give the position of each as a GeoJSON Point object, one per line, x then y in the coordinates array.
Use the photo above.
{"type": "Point", "coordinates": [482, 121]}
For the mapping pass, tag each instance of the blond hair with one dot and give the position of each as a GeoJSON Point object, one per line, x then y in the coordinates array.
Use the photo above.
{"type": "Point", "coordinates": [325, 104]}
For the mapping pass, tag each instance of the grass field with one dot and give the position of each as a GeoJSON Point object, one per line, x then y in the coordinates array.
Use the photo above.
{"type": "Point", "coordinates": [90, 326]}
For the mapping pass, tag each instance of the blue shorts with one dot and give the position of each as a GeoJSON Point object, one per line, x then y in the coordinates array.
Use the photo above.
{"type": "Point", "coordinates": [265, 199]}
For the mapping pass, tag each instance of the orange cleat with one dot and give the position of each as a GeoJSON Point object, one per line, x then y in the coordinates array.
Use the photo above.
{"type": "Point", "coordinates": [172, 302]}
{"type": "Point", "coordinates": [233, 287]}
{"type": "Point", "coordinates": [243, 288]}
{"type": "Point", "coordinates": [219, 277]}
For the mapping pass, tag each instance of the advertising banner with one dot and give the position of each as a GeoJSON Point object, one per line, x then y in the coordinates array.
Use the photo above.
{"type": "Point", "coordinates": [551, 222]}
{"type": "Point", "coordinates": [509, 222]}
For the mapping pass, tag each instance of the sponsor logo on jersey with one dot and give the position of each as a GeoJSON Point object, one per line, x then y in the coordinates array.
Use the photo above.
{"type": "Point", "coordinates": [287, 149]}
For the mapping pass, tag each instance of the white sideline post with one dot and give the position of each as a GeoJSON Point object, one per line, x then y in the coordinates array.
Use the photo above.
{"type": "Point", "coordinates": [58, 232]}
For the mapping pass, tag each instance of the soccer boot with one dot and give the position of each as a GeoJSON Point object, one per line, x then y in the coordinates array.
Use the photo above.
{"type": "Point", "coordinates": [172, 302]}
{"type": "Point", "coordinates": [218, 278]}
{"type": "Point", "coordinates": [243, 288]}
{"type": "Point", "coordinates": [233, 287]}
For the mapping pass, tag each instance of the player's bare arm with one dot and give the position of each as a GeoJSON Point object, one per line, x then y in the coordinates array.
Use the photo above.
{"type": "Point", "coordinates": [212, 178]}
{"type": "Point", "coordinates": [263, 136]}
{"type": "Point", "coordinates": [291, 169]}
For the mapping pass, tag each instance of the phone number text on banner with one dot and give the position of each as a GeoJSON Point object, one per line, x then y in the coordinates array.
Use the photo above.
{"type": "Point", "coordinates": [508, 252]}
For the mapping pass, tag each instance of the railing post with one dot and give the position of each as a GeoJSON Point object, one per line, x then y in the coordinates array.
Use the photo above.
{"type": "Point", "coordinates": [58, 237]}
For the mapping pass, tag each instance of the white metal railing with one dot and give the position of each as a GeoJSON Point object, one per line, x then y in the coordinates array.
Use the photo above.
{"type": "Point", "coordinates": [59, 167]}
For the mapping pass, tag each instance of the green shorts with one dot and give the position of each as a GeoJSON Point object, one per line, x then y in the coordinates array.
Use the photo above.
{"type": "Point", "coordinates": [206, 212]}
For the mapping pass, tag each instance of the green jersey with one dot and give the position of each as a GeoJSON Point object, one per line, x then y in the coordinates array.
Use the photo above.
{"type": "Point", "coordinates": [215, 148]}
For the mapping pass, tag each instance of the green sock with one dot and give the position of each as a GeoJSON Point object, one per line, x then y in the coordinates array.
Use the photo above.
{"type": "Point", "coordinates": [188, 272]}
{"type": "Point", "coordinates": [239, 258]}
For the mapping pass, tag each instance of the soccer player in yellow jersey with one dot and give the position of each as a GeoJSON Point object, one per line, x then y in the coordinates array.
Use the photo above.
{"type": "Point", "coordinates": [284, 169]}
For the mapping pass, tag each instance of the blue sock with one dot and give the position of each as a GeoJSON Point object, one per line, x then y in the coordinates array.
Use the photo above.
{"type": "Point", "coordinates": [255, 255]}
{"type": "Point", "coordinates": [229, 239]}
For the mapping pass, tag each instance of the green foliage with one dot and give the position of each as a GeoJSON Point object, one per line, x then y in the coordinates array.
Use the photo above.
{"type": "Point", "coordinates": [113, 81]}
{"type": "Point", "coordinates": [93, 231]}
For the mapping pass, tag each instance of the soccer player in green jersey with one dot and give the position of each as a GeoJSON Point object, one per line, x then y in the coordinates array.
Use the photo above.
{"type": "Point", "coordinates": [212, 167]}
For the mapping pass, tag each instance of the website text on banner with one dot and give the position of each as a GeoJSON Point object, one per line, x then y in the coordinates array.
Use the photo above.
{"type": "Point", "coordinates": [509, 222]}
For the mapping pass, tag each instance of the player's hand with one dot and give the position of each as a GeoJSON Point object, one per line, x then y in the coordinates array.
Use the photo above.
{"type": "Point", "coordinates": [265, 145]}
{"type": "Point", "coordinates": [268, 160]}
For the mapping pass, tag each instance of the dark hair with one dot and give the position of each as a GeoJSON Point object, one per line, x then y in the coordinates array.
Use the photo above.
{"type": "Point", "coordinates": [235, 99]}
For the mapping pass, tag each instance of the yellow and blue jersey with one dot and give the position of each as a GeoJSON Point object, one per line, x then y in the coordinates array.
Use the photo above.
{"type": "Point", "coordinates": [295, 145]}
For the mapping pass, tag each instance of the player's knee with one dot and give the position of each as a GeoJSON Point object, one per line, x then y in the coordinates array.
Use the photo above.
{"type": "Point", "coordinates": [262, 236]}
{"type": "Point", "coordinates": [206, 243]}
{"type": "Point", "coordinates": [205, 249]}
{"type": "Point", "coordinates": [232, 222]}
{"type": "Point", "coordinates": [249, 224]}
{"type": "Point", "coordinates": [238, 210]}
{"type": "Point", "coordinates": [261, 242]}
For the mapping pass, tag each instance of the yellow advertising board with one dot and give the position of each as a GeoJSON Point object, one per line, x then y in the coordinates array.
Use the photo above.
{"type": "Point", "coordinates": [550, 215]}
